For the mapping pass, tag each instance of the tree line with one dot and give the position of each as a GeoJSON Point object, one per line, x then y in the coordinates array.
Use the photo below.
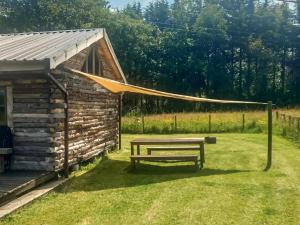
{"type": "Point", "coordinates": [226, 49]}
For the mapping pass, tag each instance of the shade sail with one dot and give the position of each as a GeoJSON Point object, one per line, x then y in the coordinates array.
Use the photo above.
{"type": "Point", "coordinates": [118, 87]}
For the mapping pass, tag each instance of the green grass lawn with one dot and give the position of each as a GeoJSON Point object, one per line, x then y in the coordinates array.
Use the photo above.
{"type": "Point", "coordinates": [232, 189]}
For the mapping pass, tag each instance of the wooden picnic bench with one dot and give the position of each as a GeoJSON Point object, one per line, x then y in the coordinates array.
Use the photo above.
{"type": "Point", "coordinates": [198, 144]}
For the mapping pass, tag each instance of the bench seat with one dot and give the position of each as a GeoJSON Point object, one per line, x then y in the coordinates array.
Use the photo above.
{"type": "Point", "coordinates": [153, 158]}
{"type": "Point", "coordinates": [165, 157]}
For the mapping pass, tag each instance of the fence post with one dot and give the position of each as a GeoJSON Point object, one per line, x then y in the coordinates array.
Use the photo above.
{"type": "Point", "coordinates": [284, 120]}
{"type": "Point", "coordinates": [143, 124]}
{"type": "Point", "coordinates": [243, 126]}
{"type": "Point", "coordinates": [270, 136]}
{"type": "Point", "coordinates": [175, 123]}
{"type": "Point", "coordinates": [209, 123]}
{"type": "Point", "coordinates": [277, 115]}
{"type": "Point", "coordinates": [290, 121]}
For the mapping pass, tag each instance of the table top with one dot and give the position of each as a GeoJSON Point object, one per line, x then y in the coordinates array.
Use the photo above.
{"type": "Point", "coordinates": [153, 141]}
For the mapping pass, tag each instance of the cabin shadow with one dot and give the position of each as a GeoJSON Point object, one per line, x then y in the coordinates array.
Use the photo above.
{"type": "Point", "coordinates": [114, 174]}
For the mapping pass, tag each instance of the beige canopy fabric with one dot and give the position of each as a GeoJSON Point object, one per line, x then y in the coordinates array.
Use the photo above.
{"type": "Point", "coordinates": [118, 87]}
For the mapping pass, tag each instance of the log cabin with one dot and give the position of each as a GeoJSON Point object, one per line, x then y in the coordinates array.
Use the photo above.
{"type": "Point", "coordinates": [57, 118]}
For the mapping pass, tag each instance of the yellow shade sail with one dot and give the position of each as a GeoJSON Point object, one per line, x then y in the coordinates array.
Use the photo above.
{"type": "Point", "coordinates": [118, 87]}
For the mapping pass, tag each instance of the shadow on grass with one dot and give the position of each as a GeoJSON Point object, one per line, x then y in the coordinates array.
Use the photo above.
{"type": "Point", "coordinates": [114, 174]}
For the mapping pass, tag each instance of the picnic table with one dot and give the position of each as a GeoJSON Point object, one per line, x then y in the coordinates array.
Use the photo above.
{"type": "Point", "coordinates": [199, 142]}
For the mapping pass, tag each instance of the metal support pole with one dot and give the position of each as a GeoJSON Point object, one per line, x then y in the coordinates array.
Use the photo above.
{"type": "Point", "coordinates": [243, 126]}
{"type": "Point", "coordinates": [120, 122]}
{"type": "Point", "coordinates": [209, 123]}
{"type": "Point", "coordinates": [269, 161]}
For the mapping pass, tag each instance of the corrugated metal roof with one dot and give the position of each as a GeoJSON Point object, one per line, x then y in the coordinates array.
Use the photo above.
{"type": "Point", "coordinates": [55, 46]}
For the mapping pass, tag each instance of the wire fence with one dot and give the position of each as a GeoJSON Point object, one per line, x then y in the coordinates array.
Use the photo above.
{"type": "Point", "coordinates": [289, 125]}
{"type": "Point", "coordinates": [195, 123]}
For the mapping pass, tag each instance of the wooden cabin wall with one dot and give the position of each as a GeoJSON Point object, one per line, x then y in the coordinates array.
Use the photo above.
{"type": "Point", "coordinates": [33, 125]}
{"type": "Point", "coordinates": [93, 119]}
{"type": "Point", "coordinates": [38, 121]}
{"type": "Point", "coordinates": [38, 117]}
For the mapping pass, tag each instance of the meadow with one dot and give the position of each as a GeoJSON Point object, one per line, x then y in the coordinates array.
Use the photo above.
{"type": "Point", "coordinates": [231, 189]}
{"type": "Point", "coordinates": [220, 122]}
{"type": "Point", "coordinates": [215, 122]}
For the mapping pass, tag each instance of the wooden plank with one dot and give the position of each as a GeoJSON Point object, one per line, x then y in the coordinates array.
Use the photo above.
{"type": "Point", "coordinates": [174, 148]}
{"type": "Point", "coordinates": [165, 157]}
{"type": "Point", "coordinates": [17, 182]}
{"type": "Point", "coordinates": [150, 141]}
{"type": "Point", "coordinates": [29, 197]}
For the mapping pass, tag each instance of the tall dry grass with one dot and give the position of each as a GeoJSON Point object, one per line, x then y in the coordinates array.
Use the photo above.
{"type": "Point", "coordinates": [221, 122]}
{"type": "Point", "coordinates": [255, 121]}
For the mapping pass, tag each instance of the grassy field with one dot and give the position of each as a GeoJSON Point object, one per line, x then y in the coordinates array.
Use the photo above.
{"type": "Point", "coordinates": [221, 122]}
{"type": "Point", "coordinates": [232, 189]}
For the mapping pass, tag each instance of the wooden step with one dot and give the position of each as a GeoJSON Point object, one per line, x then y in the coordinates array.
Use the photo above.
{"type": "Point", "coordinates": [16, 183]}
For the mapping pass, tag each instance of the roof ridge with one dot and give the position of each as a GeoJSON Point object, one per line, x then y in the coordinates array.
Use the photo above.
{"type": "Point", "coordinates": [52, 32]}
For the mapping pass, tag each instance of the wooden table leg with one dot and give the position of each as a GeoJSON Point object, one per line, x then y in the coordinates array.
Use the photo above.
{"type": "Point", "coordinates": [138, 150]}
{"type": "Point", "coordinates": [132, 153]}
{"type": "Point", "coordinates": [132, 149]}
{"type": "Point", "coordinates": [202, 146]}
{"type": "Point", "coordinates": [133, 164]}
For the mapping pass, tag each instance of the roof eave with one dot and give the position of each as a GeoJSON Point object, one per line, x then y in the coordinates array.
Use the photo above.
{"type": "Point", "coordinates": [24, 66]}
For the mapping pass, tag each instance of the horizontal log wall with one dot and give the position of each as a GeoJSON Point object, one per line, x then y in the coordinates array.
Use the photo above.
{"type": "Point", "coordinates": [38, 118]}
{"type": "Point", "coordinates": [93, 119]}
{"type": "Point", "coordinates": [33, 125]}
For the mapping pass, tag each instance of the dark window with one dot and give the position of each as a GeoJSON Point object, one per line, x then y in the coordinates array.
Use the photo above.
{"type": "Point", "coordinates": [2, 106]}
{"type": "Point", "coordinates": [92, 64]}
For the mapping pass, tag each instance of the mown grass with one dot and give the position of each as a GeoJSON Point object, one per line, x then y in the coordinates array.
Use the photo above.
{"type": "Point", "coordinates": [232, 189]}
